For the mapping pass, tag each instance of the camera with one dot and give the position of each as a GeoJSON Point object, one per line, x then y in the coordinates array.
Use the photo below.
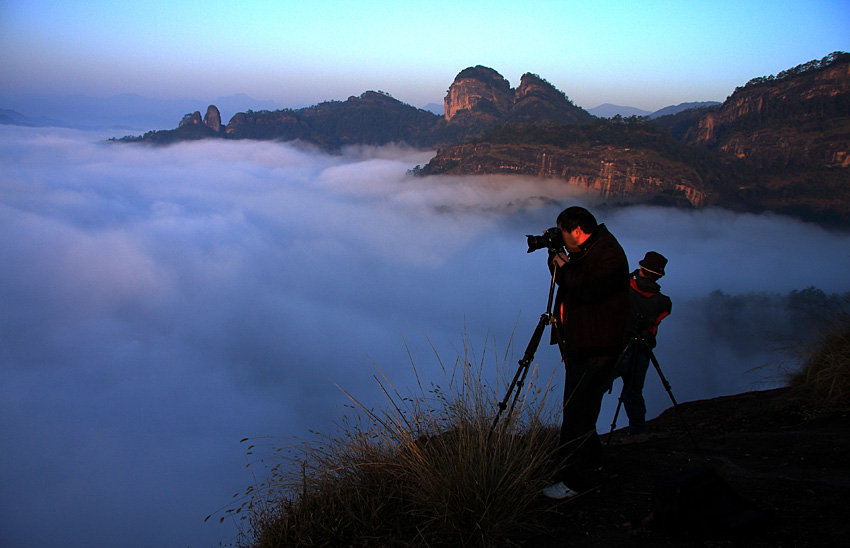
{"type": "Point", "coordinates": [551, 239]}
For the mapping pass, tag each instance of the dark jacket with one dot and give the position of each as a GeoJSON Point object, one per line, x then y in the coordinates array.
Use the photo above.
{"type": "Point", "coordinates": [648, 307]}
{"type": "Point", "coordinates": [592, 302]}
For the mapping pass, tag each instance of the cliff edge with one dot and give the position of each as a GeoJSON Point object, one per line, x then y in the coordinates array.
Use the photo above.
{"type": "Point", "coordinates": [785, 466]}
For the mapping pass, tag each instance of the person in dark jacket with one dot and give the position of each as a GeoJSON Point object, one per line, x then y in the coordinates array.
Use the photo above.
{"type": "Point", "coordinates": [648, 307]}
{"type": "Point", "coordinates": [592, 311]}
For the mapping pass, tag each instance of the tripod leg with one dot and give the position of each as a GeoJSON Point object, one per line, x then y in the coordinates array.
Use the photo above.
{"type": "Point", "coordinates": [519, 379]}
{"type": "Point", "coordinates": [519, 386]}
{"type": "Point", "coordinates": [670, 393]}
{"type": "Point", "coordinates": [522, 370]}
{"type": "Point", "coordinates": [616, 414]}
{"type": "Point", "coordinates": [625, 352]}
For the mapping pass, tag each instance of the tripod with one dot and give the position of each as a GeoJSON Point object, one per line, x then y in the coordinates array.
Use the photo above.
{"type": "Point", "coordinates": [638, 345]}
{"type": "Point", "coordinates": [519, 378]}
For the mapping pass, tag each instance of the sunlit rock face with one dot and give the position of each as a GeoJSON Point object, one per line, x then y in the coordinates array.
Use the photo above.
{"type": "Point", "coordinates": [480, 96]}
{"type": "Point", "coordinates": [479, 89]}
{"type": "Point", "coordinates": [615, 173]}
{"type": "Point", "coordinates": [799, 120]}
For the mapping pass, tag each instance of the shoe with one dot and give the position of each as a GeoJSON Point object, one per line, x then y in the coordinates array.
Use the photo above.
{"type": "Point", "coordinates": [559, 491]}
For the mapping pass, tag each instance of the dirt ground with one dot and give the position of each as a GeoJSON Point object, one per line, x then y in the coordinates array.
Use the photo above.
{"type": "Point", "coordinates": [782, 479]}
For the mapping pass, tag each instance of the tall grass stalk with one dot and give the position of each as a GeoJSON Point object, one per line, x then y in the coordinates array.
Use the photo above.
{"type": "Point", "coordinates": [425, 470]}
{"type": "Point", "coordinates": [824, 379]}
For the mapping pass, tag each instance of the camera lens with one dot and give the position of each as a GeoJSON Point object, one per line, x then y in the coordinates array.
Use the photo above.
{"type": "Point", "coordinates": [552, 239]}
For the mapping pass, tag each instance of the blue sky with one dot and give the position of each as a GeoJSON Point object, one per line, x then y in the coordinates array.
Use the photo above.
{"type": "Point", "coordinates": [646, 54]}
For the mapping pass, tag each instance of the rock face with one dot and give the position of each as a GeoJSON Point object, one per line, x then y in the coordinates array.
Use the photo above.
{"type": "Point", "coordinates": [192, 119]}
{"type": "Point", "coordinates": [212, 119]}
{"type": "Point", "coordinates": [778, 143]}
{"type": "Point", "coordinates": [617, 174]}
{"type": "Point", "coordinates": [479, 89]}
{"type": "Point", "coordinates": [481, 96]}
{"type": "Point", "coordinates": [799, 119]}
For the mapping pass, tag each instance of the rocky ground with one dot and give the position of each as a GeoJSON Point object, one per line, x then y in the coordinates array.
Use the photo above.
{"type": "Point", "coordinates": [782, 471]}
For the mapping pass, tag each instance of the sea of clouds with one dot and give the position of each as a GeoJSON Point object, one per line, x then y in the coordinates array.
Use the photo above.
{"type": "Point", "coordinates": [162, 303]}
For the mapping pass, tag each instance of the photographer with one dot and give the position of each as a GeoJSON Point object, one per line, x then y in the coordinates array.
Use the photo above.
{"type": "Point", "coordinates": [592, 310]}
{"type": "Point", "coordinates": [648, 307]}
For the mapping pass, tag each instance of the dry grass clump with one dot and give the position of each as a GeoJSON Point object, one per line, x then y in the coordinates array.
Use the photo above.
{"type": "Point", "coordinates": [426, 471]}
{"type": "Point", "coordinates": [824, 379]}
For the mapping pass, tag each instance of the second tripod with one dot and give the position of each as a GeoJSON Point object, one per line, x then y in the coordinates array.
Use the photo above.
{"type": "Point", "coordinates": [635, 347]}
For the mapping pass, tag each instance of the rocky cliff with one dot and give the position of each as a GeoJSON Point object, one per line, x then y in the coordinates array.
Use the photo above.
{"type": "Point", "coordinates": [799, 118]}
{"type": "Point", "coordinates": [481, 90]}
{"type": "Point", "coordinates": [480, 96]}
{"type": "Point", "coordinates": [211, 120]}
{"type": "Point", "coordinates": [602, 158]}
{"type": "Point", "coordinates": [779, 143]}
{"type": "Point", "coordinates": [793, 130]}
{"type": "Point", "coordinates": [191, 119]}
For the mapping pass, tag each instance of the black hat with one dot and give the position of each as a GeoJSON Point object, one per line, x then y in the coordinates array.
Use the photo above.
{"type": "Point", "coordinates": [653, 262]}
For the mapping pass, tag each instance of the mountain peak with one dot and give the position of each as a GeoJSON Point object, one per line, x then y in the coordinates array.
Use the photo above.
{"type": "Point", "coordinates": [609, 110]}
{"type": "Point", "coordinates": [484, 97]}
{"type": "Point", "coordinates": [482, 89]}
{"type": "Point", "coordinates": [536, 99]}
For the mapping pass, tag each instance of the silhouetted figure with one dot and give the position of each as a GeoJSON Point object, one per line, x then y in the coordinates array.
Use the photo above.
{"type": "Point", "coordinates": [592, 310]}
{"type": "Point", "coordinates": [648, 306]}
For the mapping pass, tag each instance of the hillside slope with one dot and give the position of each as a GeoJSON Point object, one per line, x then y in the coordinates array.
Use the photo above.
{"type": "Point", "coordinates": [786, 461]}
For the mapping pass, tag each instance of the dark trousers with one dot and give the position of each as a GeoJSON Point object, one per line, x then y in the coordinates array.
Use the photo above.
{"type": "Point", "coordinates": [580, 451]}
{"type": "Point", "coordinates": [632, 368]}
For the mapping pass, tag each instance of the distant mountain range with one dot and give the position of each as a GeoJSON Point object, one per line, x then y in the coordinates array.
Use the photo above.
{"type": "Point", "coordinates": [779, 143]}
{"type": "Point", "coordinates": [129, 112]}
{"type": "Point", "coordinates": [607, 110]}
{"type": "Point", "coordinates": [15, 118]}
{"type": "Point", "coordinates": [136, 112]}
{"type": "Point", "coordinates": [479, 99]}
{"type": "Point", "coordinates": [436, 108]}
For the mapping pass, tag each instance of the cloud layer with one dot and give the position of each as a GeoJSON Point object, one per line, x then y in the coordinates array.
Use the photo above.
{"type": "Point", "coordinates": [160, 304]}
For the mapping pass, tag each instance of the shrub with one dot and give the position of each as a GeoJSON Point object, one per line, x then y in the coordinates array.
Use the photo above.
{"type": "Point", "coordinates": [824, 379]}
{"type": "Point", "coordinates": [427, 470]}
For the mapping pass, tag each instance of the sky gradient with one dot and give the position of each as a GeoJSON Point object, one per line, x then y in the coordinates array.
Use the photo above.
{"type": "Point", "coordinates": [643, 54]}
{"type": "Point", "coordinates": [162, 303]}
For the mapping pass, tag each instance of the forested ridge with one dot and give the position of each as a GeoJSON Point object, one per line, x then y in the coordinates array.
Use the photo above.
{"type": "Point", "coordinates": [779, 143]}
